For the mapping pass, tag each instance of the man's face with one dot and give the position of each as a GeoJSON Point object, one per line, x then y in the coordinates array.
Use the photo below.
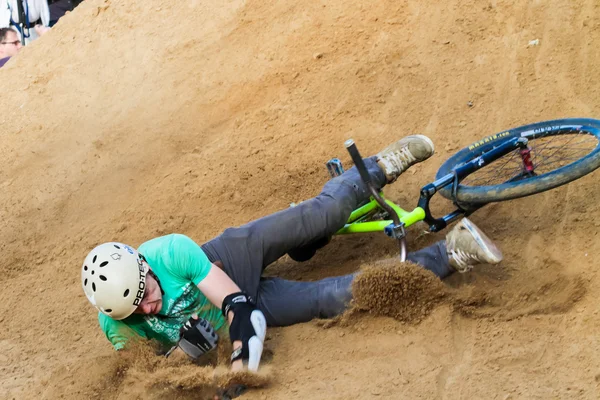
{"type": "Point", "coordinates": [11, 45]}
{"type": "Point", "coordinates": [152, 301]}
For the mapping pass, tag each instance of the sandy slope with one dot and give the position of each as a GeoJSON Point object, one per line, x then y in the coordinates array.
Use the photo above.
{"type": "Point", "coordinates": [138, 118]}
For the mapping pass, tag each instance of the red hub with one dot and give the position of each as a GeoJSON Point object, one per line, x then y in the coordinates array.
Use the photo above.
{"type": "Point", "coordinates": [526, 157]}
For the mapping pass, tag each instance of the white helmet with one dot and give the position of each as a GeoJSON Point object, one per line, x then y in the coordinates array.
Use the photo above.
{"type": "Point", "coordinates": [113, 276]}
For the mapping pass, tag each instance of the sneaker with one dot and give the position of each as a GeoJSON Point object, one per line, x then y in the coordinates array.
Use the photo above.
{"type": "Point", "coordinates": [397, 157]}
{"type": "Point", "coordinates": [468, 246]}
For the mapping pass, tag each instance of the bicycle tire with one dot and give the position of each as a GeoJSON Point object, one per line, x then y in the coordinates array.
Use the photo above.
{"type": "Point", "coordinates": [477, 195]}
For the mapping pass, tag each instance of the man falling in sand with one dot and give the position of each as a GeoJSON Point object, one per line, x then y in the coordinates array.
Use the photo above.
{"type": "Point", "coordinates": [179, 293]}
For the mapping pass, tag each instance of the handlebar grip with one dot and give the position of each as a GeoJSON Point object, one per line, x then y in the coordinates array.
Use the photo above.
{"type": "Point", "coordinates": [358, 161]}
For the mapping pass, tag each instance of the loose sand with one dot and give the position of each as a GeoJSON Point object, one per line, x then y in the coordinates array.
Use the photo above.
{"type": "Point", "coordinates": [132, 119]}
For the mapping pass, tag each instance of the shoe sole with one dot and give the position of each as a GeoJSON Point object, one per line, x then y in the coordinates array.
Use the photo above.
{"type": "Point", "coordinates": [493, 252]}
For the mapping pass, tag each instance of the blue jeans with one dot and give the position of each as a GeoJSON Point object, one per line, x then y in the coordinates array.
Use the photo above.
{"type": "Point", "coordinates": [247, 250]}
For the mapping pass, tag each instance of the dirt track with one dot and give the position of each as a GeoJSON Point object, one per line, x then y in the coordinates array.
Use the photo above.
{"type": "Point", "coordinates": [132, 119]}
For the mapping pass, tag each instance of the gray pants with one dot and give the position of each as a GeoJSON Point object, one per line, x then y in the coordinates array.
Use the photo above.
{"type": "Point", "coordinates": [246, 251]}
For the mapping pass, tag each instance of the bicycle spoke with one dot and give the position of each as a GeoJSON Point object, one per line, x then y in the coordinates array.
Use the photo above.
{"type": "Point", "coordinates": [556, 156]}
{"type": "Point", "coordinates": [548, 153]}
{"type": "Point", "coordinates": [548, 142]}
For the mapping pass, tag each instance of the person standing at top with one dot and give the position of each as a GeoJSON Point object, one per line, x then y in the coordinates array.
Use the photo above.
{"type": "Point", "coordinates": [30, 18]}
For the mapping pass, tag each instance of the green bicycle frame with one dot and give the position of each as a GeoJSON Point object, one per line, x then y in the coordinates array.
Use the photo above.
{"type": "Point", "coordinates": [358, 221]}
{"type": "Point", "coordinates": [354, 224]}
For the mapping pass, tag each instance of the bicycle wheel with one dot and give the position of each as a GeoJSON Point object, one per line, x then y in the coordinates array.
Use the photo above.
{"type": "Point", "coordinates": [560, 151]}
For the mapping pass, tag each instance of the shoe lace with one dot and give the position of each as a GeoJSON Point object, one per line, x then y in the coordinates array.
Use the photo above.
{"type": "Point", "coordinates": [464, 261]}
{"type": "Point", "coordinates": [400, 158]}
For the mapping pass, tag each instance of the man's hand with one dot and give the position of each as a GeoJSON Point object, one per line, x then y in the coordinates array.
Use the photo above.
{"type": "Point", "coordinates": [41, 29]}
{"type": "Point", "coordinates": [248, 326]}
{"type": "Point", "coordinates": [197, 337]}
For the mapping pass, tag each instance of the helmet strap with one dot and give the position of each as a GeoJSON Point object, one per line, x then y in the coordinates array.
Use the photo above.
{"type": "Point", "coordinates": [152, 274]}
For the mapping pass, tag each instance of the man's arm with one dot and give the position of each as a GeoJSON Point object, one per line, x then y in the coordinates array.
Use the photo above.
{"type": "Point", "coordinates": [117, 332]}
{"type": "Point", "coordinates": [217, 285]}
{"type": "Point", "coordinates": [248, 325]}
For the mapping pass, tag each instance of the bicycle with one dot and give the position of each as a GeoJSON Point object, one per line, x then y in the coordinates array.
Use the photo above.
{"type": "Point", "coordinates": [522, 169]}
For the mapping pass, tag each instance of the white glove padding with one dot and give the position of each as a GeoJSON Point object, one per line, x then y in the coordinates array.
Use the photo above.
{"type": "Point", "coordinates": [197, 337]}
{"type": "Point", "coordinates": [248, 326]}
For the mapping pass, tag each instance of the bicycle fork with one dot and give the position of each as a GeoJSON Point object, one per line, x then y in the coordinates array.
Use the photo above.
{"type": "Point", "coordinates": [459, 173]}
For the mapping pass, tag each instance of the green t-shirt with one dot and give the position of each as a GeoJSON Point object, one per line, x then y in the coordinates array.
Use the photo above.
{"type": "Point", "coordinates": [180, 264]}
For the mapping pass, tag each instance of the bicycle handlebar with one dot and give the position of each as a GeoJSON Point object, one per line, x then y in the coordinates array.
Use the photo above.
{"type": "Point", "coordinates": [364, 174]}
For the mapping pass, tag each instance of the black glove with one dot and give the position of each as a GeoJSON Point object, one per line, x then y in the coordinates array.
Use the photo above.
{"type": "Point", "coordinates": [249, 326]}
{"type": "Point", "coordinates": [197, 337]}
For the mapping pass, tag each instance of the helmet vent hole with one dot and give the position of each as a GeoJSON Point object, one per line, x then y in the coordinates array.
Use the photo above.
{"type": "Point", "coordinates": [94, 259]}
{"type": "Point", "coordinates": [85, 267]}
{"type": "Point", "coordinates": [109, 310]}
{"type": "Point", "coordinates": [117, 246]}
{"type": "Point", "coordinates": [85, 282]}
{"type": "Point", "coordinates": [104, 264]}
{"type": "Point", "coordinates": [93, 286]}
{"type": "Point", "coordinates": [126, 293]}
{"type": "Point", "coordinates": [102, 278]}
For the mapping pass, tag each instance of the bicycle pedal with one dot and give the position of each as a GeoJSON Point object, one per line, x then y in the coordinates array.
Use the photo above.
{"type": "Point", "coordinates": [335, 167]}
